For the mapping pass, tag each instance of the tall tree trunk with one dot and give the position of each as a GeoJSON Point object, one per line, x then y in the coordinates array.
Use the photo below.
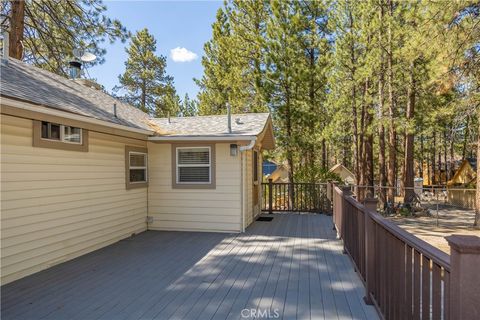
{"type": "Point", "coordinates": [439, 162]}
{"type": "Point", "coordinates": [477, 207]}
{"type": "Point", "coordinates": [422, 156]}
{"type": "Point", "coordinates": [324, 154]}
{"type": "Point", "coordinates": [17, 26]}
{"type": "Point", "coordinates": [452, 152]}
{"type": "Point", "coordinates": [409, 164]}
{"type": "Point", "coordinates": [433, 179]}
{"type": "Point", "coordinates": [465, 138]}
{"type": "Point", "coordinates": [392, 137]}
{"type": "Point", "coordinates": [445, 163]}
{"type": "Point", "coordinates": [353, 92]}
{"type": "Point", "coordinates": [368, 149]}
{"type": "Point", "coordinates": [382, 178]}
{"type": "Point", "coordinates": [312, 151]}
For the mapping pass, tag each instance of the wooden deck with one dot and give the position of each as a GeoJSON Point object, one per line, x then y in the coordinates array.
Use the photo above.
{"type": "Point", "coordinates": [291, 266]}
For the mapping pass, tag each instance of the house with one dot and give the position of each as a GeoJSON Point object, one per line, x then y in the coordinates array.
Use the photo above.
{"type": "Point", "coordinates": [268, 167]}
{"type": "Point", "coordinates": [465, 174]}
{"type": "Point", "coordinates": [81, 170]}
{"type": "Point", "coordinates": [346, 175]}
{"type": "Point", "coordinates": [280, 175]}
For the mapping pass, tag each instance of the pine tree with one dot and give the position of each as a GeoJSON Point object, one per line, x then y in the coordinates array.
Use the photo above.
{"type": "Point", "coordinates": [144, 83]}
{"type": "Point", "coordinates": [188, 107]}
{"type": "Point", "coordinates": [45, 32]}
{"type": "Point", "coordinates": [234, 59]}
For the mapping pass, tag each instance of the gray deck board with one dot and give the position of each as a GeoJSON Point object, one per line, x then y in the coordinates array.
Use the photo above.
{"type": "Point", "coordinates": [292, 266]}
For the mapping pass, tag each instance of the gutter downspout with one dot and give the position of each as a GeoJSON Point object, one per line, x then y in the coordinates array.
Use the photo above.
{"type": "Point", "coordinates": [248, 146]}
{"type": "Point", "coordinates": [242, 185]}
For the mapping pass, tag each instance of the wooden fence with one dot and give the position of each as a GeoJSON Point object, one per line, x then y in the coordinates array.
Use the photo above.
{"type": "Point", "coordinates": [405, 277]}
{"type": "Point", "coordinates": [295, 197]}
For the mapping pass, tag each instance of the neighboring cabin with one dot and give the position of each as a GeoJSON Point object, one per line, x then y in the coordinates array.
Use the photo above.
{"type": "Point", "coordinates": [346, 175]}
{"type": "Point", "coordinates": [461, 188]}
{"type": "Point", "coordinates": [466, 174]}
{"type": "Point", "coordinates": [280, 175]}
{"type": "Point", "coordinates": [81, 170]}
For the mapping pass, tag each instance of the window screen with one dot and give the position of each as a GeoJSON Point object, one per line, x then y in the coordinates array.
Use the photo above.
{"type": "Point", "coordinates": [194, 165]}
{"type": "Point", "coordinates": [138, 167]}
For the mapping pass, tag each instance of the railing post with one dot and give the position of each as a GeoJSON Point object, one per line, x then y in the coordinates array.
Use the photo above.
{"type": "Point", "coordinates": [464, 277]}
{"type": "Point", "coordinates": [346, 191]}
{"type": "Point", "coordinates": [270, 196]}
{"type": "Point", "coordinates": [370, 204]}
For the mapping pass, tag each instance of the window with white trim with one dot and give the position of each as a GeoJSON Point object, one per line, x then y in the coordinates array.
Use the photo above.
{"type": "Point", "coordinates": [137, 167]}
{"type": "Point", "coordinates": [194, 165]}
{"type": "Point", "coordinates": [61, 133]}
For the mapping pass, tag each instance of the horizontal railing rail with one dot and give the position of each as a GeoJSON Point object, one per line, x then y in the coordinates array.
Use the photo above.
{"type": "Point", "coordinates": [298, 196]}
{"type": "Point", "coordinates": [405, 277]}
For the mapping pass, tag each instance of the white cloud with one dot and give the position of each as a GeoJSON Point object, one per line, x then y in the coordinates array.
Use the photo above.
{"type": "Point", "coordinates": [182, 55]}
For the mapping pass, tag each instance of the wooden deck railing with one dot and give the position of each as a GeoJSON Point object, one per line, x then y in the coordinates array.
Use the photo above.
{"type": "Point", "coordinates": [304, 197]}
{"type": "Point", "coordinates": [405, 277]}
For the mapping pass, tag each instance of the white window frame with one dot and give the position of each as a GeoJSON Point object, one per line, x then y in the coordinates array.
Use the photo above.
{"type": "Point", "coordinates": [130, 167]}
{"type": "Point", "coordinates": [62, 133]}
{"type": "Point", "coordinates": [209, 165]}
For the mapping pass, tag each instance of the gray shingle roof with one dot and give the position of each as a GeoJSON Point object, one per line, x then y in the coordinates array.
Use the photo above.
{"type": "Point", "coordinates": [26, 82]}
{"type": "Point", "coordinates": [250, 124]}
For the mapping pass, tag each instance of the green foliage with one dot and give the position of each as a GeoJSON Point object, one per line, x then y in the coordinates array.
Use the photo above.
{"type": "Point", "coordinates": [334, 74]}
{"type": "Point", "coordinates": [189, 107]}
{"type": "Point", "coordinates": [144, 83]}
{"type": "Point", "coordinates": [54, 28]}
{"type": "Point", "coordinates": [233, 60]}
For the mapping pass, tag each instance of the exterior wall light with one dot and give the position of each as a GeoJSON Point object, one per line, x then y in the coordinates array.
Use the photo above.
{"type": "Point", "coordinates": [233, 150]}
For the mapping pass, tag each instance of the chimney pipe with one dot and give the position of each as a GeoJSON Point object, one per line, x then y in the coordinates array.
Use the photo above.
{"type": "Point", "coordinates": [229, 118]}
{"type": "Point", "coordinates": [75, 69]}
{"type": "Point", "coordinates": [115, 110]}
{"type": "Point", "coordinates": [168, 116]}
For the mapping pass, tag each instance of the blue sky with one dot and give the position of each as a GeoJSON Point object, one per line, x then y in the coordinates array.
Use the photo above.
{"type": "Point", "coordinates": [174, 24]}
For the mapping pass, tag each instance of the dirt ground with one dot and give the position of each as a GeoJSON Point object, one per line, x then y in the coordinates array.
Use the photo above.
{"type": "Point", "coordinates": [451, 220]}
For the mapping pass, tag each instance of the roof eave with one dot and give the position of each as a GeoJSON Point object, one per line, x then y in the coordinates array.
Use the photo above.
{"type": "Point", "coordinates": [30, 106]}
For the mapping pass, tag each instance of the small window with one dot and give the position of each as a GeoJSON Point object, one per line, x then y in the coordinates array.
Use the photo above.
{"type": "Point", "coordinates": [137, 163]}
{"type": "Point", "coordinates": [138, 167]}
{"type": "Point", "coordinates": [194, 165]}
{"type": "Point", "coordinates": [61, 133]}
{"type": "Point", "coordinates": [59, 136]}
{"type": "Point", "coordinates": [255, 166]}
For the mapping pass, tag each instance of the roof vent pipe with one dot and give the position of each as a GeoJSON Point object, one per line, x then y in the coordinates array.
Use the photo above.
{"type": "Point", "coordinates": [115, 110]}
{"type": "Point", "coordinates": [229, 118]}
{"type": "Point", "coordinates": [168, 116]}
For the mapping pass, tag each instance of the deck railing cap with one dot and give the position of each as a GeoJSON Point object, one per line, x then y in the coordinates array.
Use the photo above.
{"type": "Point", "coordinates": [464, 243]}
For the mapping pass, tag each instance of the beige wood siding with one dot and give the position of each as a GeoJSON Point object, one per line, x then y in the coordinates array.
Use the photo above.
{"type": "Point", "coordinates": [57, 205]}
{"type": "Point", "coordinates": [216, 209]}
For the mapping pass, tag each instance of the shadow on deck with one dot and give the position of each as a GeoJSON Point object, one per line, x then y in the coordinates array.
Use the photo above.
{"type": "Point", "coordinates": [289, 268]}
